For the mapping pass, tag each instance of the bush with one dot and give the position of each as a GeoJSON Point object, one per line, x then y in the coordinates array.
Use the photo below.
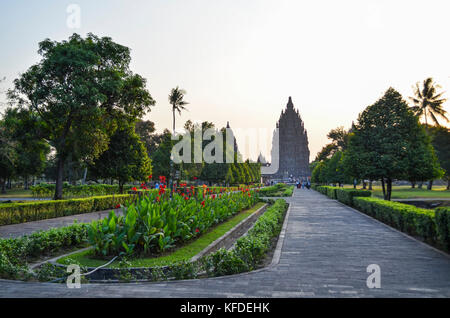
{"type": "Point", "coordinates": [442, 218]}
{"type": "Point", "coordinates": [277, 190]}
{"type": "Point", "coordinates": [346, 195]}
{"type": "Point", "coordinates": [14, 213]}
{"type": "Point", "coordinates": [250, 249]}
{"type": "Point", "coordinates": [16, 253]}
{"type": "Point", "coordinates": [431, 226]}
{"type": "Point", "coordinates": [47, 190]}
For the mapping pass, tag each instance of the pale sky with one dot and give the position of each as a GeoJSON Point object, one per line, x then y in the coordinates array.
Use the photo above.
{"type": "Point", "coordinates": [240, 60]}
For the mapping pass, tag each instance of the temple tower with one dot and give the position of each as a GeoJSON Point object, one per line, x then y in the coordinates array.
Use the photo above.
{"type": "Point", "coordinates": [293, 146]}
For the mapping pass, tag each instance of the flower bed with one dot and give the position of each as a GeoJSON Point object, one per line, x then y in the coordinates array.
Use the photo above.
{"type": "Point", "coordinates": [156, 223]}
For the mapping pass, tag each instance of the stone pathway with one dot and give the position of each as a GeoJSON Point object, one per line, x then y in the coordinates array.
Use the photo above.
{"type": "Point", "coordinates": [326, 251]}
{"type": "Point", "coordinates": [16, 230]}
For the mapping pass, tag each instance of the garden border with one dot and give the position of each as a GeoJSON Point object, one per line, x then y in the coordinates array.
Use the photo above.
{"type": "Point", "coordinates": [108, 273]}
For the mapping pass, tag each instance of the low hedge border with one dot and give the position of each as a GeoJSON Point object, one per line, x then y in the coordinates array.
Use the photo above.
{"type": "Point", "coordinates": [431, 226]}
{"type": "Point", "coordinates": [343, 195]}
{"type": "Point", "coordinates": [16, 253]}
{"type": "Point", "coordinates": [14, 213]}
{"type": "Point", "coordinates": [249, 250]}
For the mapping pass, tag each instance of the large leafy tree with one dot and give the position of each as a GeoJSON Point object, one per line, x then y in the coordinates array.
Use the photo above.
{"type": "Point", "coordinates": [428, 102]}
{"type": "Point", "coordinates": [339, 142]}
{"type": "Point", "coordinates": [383, 141]}
{"type": "Point", "coordinates": [125, 160]}
{"type": "Point", "coordinates": [80, 89]}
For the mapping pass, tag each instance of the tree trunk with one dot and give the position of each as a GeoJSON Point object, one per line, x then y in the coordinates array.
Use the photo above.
{"type": "Point", "coordinates": [448, 184]}
{"type": "Point", "coordinates": [364, 185]}
{"type": "Point", "coordinates": [9, 184]}
{"type": "Point", "coordinates": [413, 185]}
{"type": "Point", "coordinates": [430, 185]}
{"type": "Point", "coordinates": [173, 120]}
{"type": "Point", "coordinates": [388, 188]}
{"type": "Point", "coordinates": [420, 185]}
{"type": "Point", "coordinates": [84, 175]}
{"type": "Point", "coordinates": [384, 189]}
{"type": "Point", "coordinates": [120, 187]}
{"type": "Point", "coordinates": [370, 185]}
{"type": "Point", "coordinates": [59, 179]}
{"type": "Point", "coordinates": [3, 186]}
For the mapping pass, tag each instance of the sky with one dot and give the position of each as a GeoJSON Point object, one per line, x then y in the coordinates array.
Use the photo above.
{"type": "Point", "coordinates": [239, 61]}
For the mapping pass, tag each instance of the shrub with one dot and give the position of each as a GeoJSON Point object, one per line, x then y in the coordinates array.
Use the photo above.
{"type": "Point", "coordinates": [250, 249]}
{"type": "Point", "coordinates": [442, 218]}
{"type": "Point", "coordinates": [346, 195]}
{"type": "Point", "coordinates": [15, 253]}
{"type": "Point", "coordinates": [14, 213]}
{"type": "Point", "coordinates": [426, 224]}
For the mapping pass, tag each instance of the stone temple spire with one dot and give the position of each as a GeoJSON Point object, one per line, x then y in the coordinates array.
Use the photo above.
{"type": "Point", "coordinates": [290, 104]}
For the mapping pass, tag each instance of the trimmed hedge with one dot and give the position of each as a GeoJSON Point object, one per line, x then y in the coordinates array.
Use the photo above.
{"type": "Point", "coordinates": [343, 195]}
{"type": "Point", "coordinates": [250, 250]}
{"type": "Point", "coordinates": [15, 253]}
{"type": "Point", "coordinates": [14, 213]}
{"type": "Point", "coordinates": [431, 226]}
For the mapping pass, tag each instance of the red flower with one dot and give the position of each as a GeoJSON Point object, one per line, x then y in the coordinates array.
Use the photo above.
{"type": "Point", "coordinates": [195, 178]}
{"type": "Point", "coordinates": [197, 230]}
{"type": "Point", "coordinates": [134, 188]}
{"type": "Point", "coordinates": [157, 199]}
{"type": "Point", "coordinates": [118, 206]}
{"type": "Point", "coordinates": [150, 176]}
{"type": "Point", "coordinates": [186, 198]}
{"type": "Point", "coordinates": [203, 203]}
{"type": "Point", "coordinates": [214, 196]}
{"type": "Point", "coordinates": [162, 179]}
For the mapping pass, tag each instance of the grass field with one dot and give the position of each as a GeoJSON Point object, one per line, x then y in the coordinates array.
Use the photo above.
{"type": "Point", "coordinates": [183, 253]}
{"type": "Point", "coordinates": [17, 193]}
{"type": "Point", "coordinates": [406, 192]}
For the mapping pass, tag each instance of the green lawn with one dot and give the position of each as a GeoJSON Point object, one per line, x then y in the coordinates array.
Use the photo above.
{"type": "Point", "coordinates": [183, 253]}
{"type": "Point", "coordinates": [17, 193]}
{"type": "Point", "coordinates": [406, 192]}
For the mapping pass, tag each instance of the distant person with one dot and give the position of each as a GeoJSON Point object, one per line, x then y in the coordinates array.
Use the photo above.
{"type": "Point", "coordinates": [156, 185]}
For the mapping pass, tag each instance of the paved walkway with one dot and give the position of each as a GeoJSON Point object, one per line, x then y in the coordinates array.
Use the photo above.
{"type": "Point", "coordinates": [326, 251]}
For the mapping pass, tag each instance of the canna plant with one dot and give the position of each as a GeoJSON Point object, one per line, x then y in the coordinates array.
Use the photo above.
{"type": "Point", "coordinates": [156, 222]}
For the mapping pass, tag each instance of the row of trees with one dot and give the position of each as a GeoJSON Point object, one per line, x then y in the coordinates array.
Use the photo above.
{"type": "Point", "coordinates": [77, 112]}
{"type": "Point", "coordinates": [389, 143]}
{"type": "Point", "coordinates": [159, 148]}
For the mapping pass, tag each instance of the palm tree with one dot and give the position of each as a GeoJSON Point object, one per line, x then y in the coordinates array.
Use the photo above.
{"type": "Point", "coordinates": [176, 100]}
{"type": "Point", "coordinates": [427, 102]}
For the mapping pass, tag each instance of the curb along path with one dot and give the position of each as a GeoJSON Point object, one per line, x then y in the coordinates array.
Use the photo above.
{"type": "Point", "coordinates": [326, 251]}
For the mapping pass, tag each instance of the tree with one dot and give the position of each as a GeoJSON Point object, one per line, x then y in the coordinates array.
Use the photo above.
{"type": "Point", "coordinates": [81, 89]}
{"type": "Point", "coordinates": [161, 157]}
{"type": "Point", "coordinates": [441, 143]}
{"type": "Point", "coordinates": [176, 99]}
{"type": "Point", "coordinates": [8, 157]}
{"type": "Point", "coordinates": [428, 102]}
{"type": "Point", "coordinates": [125, 160]}
{"type": "Point", "coordinates": [24, 128]}
{"type": "Point", "coordinates": [383, 140]}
